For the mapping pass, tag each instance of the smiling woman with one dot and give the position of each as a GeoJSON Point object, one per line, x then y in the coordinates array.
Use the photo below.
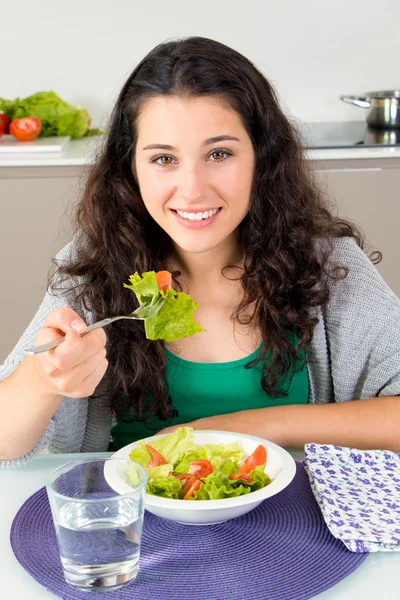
{"type": "Point", "coordinates": [202, 175]}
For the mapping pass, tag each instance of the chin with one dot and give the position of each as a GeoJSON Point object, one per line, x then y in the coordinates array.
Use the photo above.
{"type": "Point", "coordinates": [196, 246]}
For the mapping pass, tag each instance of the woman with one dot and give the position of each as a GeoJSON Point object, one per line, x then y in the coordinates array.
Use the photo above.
{"type": "Point", "coordinates": [202, 174]}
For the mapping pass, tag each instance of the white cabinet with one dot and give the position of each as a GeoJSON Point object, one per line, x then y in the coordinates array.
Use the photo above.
{"type": "Point", "coordinates": [368, 192]}
{"type": "Point", "coordinates": [35, 218]}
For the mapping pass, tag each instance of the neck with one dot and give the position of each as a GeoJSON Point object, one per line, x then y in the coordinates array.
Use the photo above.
{"type": "Point", "coordinates": [206, 266]}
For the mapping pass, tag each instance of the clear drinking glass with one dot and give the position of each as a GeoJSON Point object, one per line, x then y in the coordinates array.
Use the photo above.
{"type": "Point", "coordinates": [98, 527]}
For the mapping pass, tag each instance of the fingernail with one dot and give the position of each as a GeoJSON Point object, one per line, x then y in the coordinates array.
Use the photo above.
{"type": "Point", "coordinates": [78, 325]}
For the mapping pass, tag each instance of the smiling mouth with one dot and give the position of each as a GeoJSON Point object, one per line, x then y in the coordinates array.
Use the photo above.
{"type": "Point", "coordinates": [197, 216]}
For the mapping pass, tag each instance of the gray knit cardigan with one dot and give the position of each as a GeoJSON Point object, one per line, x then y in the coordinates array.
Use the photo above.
{"type": "Point", "coordinates": [355, 346]}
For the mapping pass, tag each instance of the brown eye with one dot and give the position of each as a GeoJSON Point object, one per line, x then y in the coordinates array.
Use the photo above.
{"type": "Point", "coordinates": [219, 155]}
{"type": "Point", "coordinates": [164, 160]}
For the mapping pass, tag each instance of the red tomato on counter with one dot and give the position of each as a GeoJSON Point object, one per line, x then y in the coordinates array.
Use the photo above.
{"type": "Point", "coordinates": [26, 129]}
{"type": "Point", "coordinates": [4, 123]}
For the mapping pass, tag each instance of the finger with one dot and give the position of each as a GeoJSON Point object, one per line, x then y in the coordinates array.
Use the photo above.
{"type": "Point", "coordinates": [90, 383]}
{"type": "Point", "coordinates": [63, 319]}
{"type": "Point", "coordinates": [58, 323]}
{"type": "Point", "coordinates": [71, 383]}
{"type": "Point", "coordinates": [76, 350]}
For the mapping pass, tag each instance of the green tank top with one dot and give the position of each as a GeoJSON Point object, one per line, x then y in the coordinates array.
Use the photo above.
{"type": "Point", "coordinates": [207, 389]}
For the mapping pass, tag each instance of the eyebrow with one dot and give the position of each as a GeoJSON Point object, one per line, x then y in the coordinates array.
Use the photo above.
{"type": "Point", "coordinates": [207, 142]}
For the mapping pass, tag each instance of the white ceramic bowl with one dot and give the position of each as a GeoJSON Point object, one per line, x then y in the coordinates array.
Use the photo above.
{"type": "Point", "coordinates": [280, 467]}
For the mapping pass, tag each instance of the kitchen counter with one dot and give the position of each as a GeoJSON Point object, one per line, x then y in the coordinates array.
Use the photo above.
{"type": "Point", "coordinates": [82, 152]}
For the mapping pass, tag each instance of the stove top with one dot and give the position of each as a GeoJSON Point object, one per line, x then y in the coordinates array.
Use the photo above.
{"type": "Point", "coordinates": [346, 134]}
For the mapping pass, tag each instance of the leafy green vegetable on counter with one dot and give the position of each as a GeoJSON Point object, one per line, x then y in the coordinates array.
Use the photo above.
{"type": "Point", "coordinates": [175, 319]}
{"type": "Point", "coordinates": [181, 469]}
{"type": "Point", "coordinates": [58, 117]}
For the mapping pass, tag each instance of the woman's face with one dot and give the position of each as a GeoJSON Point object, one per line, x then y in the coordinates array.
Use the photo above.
{"type": "Point", "coordinates": [194, 163]}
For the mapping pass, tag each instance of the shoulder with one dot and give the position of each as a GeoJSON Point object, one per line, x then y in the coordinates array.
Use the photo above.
{"type": "Point", "coordinates": [361, 301]}
{"type": "Point", "coordinates": [363, 281]}
{"type": "Point", "coordinates": [70, 251]}
{"type": "Point", "coordinates": [359, 327]}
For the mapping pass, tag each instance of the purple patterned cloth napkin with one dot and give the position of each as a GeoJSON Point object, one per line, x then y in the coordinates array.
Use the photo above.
{"type": "Point", "coordinates": [358, 492]}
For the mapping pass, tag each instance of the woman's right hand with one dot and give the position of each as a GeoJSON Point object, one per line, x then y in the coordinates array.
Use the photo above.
{"type": "Point", "coordinates": [75, 367]}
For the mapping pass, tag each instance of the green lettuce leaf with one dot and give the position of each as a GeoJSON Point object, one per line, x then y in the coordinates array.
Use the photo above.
{"type": "Point", "coordinates": [140, 454]}
{"type": "Point", "coordinates": [175, 444]}
{"type": "Point", "coordinates": [217, 454]}
{"type": "Point", "coordinates": [217, 486]}
{"type": "Point", "coordinates": [175, 319]}
{"type": "Point", "coordinates": [167, 487]}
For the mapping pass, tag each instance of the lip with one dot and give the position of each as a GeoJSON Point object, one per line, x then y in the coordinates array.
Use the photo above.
{"type": "Point", "coordinates": [195, 224]}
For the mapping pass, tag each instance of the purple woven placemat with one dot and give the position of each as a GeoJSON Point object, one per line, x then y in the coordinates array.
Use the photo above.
{"type": "Point", "coordinates": [282, 550]}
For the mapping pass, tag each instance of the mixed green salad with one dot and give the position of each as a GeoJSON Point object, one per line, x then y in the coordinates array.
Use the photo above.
{"type": "Point", "coordinates": [175, 319]}
{"type": "Point", "coordinates": [178, 468]}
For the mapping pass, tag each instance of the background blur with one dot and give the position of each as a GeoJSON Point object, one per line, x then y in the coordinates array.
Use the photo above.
{"type": "Point", "coordinates": [311, 50]}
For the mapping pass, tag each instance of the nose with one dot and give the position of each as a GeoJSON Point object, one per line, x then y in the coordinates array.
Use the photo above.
{"type": "Point", "coordinates": [192, 183]}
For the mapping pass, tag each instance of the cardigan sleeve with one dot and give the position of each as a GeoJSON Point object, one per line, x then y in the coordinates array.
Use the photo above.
{"type": "Point", "coordinates": [362, 321]}
{"type": "Point", "coordinates": [51, 302]}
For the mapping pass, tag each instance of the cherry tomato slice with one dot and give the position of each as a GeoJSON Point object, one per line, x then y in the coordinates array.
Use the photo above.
{"type": "Point", "coordinates": [244, 476]}
{"type": "Point", "coordinates": [184, 478]}
{"type": "Point", "coordinates": [156, 458]}
{"type": "Point", "coordinates": [192, 485]}
{"type": "Point", "coordinates": [200, 467]}
{"type": "Point", "coordinates": [259, 457]}
{"type": "Point", "coordinates": [164, 280]}
{"type": "Point", "coordinates": [26, 129]}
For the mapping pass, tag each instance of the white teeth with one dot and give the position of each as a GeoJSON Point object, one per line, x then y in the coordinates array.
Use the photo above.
{"type": "Point", "coordinates": [197, 216]}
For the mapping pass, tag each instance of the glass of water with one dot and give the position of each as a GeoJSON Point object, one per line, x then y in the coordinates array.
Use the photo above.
{"type": "Point", "coordinates": [98, 507]}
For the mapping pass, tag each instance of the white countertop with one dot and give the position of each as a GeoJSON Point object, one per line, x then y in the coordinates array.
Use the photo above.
{"type": "Point", "coordinates": [377, 577]}
{"type": "Point", "coordinates": [81, 152]}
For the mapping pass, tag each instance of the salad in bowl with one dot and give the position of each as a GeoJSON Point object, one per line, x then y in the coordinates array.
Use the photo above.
{"type": "Point", "coordinates": [205, 477]}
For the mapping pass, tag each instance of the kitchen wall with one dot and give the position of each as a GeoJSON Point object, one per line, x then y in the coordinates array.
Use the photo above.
{"type": "Point", "coordinates": [312, 50]}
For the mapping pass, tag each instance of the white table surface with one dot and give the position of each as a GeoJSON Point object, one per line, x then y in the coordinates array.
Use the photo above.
{"type": "Point", "coordinates": [376, 579]}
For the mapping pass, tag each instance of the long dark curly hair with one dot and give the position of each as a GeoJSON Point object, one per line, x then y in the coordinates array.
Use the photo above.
{"type": "Point", "coordinates": [285, 239]}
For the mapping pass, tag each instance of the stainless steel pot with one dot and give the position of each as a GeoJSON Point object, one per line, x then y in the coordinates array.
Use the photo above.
{"type": "Point", "coordinates": [384, 108]}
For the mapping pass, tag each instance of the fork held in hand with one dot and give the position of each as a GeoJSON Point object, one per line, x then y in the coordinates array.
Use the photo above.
{"type": "Point", "coordinates": [142, 314]}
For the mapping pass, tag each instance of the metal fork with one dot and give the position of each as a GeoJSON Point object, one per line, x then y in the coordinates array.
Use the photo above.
{"type": "Point", "coordinates": [142, 313]}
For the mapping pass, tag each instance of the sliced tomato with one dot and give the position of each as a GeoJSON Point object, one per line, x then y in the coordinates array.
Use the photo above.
{"type": "Point", "coordinates": [259, 457]}
{"type": "Point", "coordinates": [184, 478]}
{"type": "Point", "coordinates": [4, 123]}
{"type": "Point", "coordinates": [1, 130]}
{"type": "Point", "coordinates": [26, 129]}
{"type": "Point", "coordinates": [191, 486]}
{"type": "Point", "coordinates": [157, 459]}
{"type": "Point", "coordinates": [244, 476]}
{"type": "Point", "coordinates": [164, 280]}
{"type": "Point", "coordinates": [200, 467]}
